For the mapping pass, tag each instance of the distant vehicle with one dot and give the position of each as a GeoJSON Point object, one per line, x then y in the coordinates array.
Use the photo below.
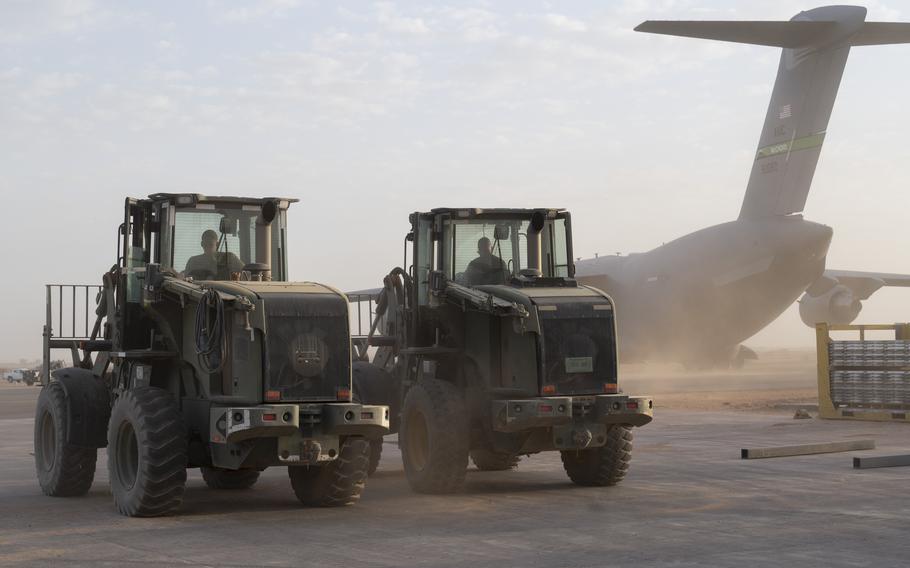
{"type": "Point", "coordinates": [27, 376]}
{"type": "Point", "coordinates": [14, 376]}
{"type": "Point", "coordinates": [695, 299]}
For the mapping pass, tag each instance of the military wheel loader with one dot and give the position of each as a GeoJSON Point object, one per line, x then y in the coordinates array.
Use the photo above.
{"type": "Point", "coordinates": [488, 348]}
{"type": "Point", "coordinates": [202, 354]}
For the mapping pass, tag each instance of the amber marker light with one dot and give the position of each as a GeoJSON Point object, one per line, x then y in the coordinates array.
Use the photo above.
{"type": "Point", "coordinates": [610, 388]}
{"type": "Point", "coordinates": [272, 395]}
{"type": "Point", "coordinates": [343, 394]}
{"type": "Point", "coordinates": [548, 389]}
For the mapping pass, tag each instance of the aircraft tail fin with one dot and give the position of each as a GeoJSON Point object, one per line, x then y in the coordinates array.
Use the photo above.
{"type": "Point", "coordinates": [815, 46]}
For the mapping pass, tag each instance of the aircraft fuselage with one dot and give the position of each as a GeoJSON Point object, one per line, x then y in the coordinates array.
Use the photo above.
{"type": "Point", "coordinates": [696, 298]}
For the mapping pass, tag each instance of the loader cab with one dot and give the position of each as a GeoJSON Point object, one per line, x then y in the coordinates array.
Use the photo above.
{"type": "Point", "coordinates": [167, 229]}
{"type": "Point", "coordinates": [206, 238]}
{"type": "Point", "coordinates": [526, 246]}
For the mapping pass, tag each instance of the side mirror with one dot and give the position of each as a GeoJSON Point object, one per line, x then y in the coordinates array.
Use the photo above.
{"type": "Point", "coordinates": [501, 232]}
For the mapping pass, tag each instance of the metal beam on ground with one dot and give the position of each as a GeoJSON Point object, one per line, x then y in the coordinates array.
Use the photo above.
{"type": "Point", "coordinates": [807, 449]}
{"type": "Point", "coordinates": [881, 461]}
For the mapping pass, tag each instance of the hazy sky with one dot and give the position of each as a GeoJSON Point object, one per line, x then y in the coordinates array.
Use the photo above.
{"type": "Point", "coordinates": [368, 111]}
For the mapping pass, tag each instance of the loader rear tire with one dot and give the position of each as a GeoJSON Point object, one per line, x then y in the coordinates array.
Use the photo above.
{"type": "Point", "coordinates": [337, 483]}
{"type": "Point", "coordinates": [375, 455]}
{"type": "Point", "coordinates": [147, 453]}
{"type": "Point", "coordinates": [434, 437]}
{"type": "Point", "coordinates": [64, 470]}
{"type": "Point", "coordinates": [230, 479]}
{"type": "Point", "coordinates": [488, 460]}
{"type": "Point", "coordinates": [603, 466]}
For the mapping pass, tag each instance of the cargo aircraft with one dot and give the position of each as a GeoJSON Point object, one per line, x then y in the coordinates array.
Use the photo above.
{"type": "Point", "coordinates": [697, 298]}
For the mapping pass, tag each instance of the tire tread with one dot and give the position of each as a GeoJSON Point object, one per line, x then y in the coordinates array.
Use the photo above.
{"type": "Point", "coordinates": [161, 435]}
{"type": "Point", "coordinates": [604, 466]}
{"type": "Point", "coordinates": [337, 483]}
{"type": "Point", "coordinates": [448, 452]}
{"type": "Point", "coordinates": [76, 470]}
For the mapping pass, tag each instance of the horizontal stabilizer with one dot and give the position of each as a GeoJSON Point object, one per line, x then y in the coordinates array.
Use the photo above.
{"type": "Point", "coordinates": [882, 33]}
{"type": "Point", "coordinates": [791, 34]}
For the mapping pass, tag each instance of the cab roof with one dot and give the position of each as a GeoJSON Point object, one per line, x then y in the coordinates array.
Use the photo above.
{"type": "Point", "coordinates": [496, 211]}
{"type": "Point", "coordinates": [194, 198]}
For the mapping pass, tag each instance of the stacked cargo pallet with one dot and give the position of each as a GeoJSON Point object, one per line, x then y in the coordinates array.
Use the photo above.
{"type": "Point", "coordinates": [864, 379]}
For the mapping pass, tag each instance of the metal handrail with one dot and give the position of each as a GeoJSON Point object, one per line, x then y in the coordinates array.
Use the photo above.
{"type": "Point", "coordinates": [81, 322]}
{"type": "Point", "coordinates": [56, 291]}
{"type": "Point", "coordinates": [359, 328]}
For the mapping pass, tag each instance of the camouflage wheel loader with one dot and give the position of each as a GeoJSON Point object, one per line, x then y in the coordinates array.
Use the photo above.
{"type": "Point", "coordinates": [487, 347]}
{"type": "Point", "coordinates": [202, 354]}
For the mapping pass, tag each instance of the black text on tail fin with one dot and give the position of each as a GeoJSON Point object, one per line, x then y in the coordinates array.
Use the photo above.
{"type": "Point", "coordinates": [815, 46]}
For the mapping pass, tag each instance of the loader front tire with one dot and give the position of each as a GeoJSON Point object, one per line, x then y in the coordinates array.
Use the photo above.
{"type": "Point", "coordinates": [147, 453]}
{"type": "Point", "coordinates": [434, 437]}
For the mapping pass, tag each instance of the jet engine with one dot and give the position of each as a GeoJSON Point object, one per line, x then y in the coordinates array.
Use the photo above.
{"type": "Point", "coordinates": [839, 305]}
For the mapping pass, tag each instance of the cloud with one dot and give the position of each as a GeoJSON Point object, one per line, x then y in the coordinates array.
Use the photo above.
{"type": "Point", "coordinates": [28, 22]}
{"type": "Point", "coordinates": [474, 24]}
{"type": "Point", "coordinates": [254, 10]}
{"type": "Point", "coordinates": [390, 20]}
{"type": "Point", "coordinates": [565, 23]}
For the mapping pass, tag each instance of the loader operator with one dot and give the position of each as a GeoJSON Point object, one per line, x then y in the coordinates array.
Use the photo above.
{"type": "Point", "coordinates": [487, 268]}
{"type": "Point", "coordinates": [211, 264]}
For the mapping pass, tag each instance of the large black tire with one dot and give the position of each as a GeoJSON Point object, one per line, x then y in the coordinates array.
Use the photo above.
{"type": "Point", "coordinates": [434, 437]}
{"type": "Point", "coordinates": [218, 478]}
{"type": "Point", "coordinates": [337, 483]}
{"type": "Point", "coordinates": [63, 470]}
{"type": "Point", "coordinates": [487, 460]}
{"type": "Point", "coordinates": [147, 453]}
{"type": "Point", "coordinates": [375, 455]}
{"type": "Point", "coordinates": [603, 466]}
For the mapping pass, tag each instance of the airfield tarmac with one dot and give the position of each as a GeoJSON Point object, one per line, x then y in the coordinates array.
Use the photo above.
{"type": "Point", "coordinates": [689, 500]}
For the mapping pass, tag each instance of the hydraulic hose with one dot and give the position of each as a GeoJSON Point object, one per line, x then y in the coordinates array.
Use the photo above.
{"type": "Point", "coordinates": [210, 337]}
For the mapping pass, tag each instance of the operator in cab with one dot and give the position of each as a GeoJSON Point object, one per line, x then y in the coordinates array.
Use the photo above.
{"type": "Point", "coordinates": [211, 264]}
{"type": "Point", "coordinates": [487, 268]}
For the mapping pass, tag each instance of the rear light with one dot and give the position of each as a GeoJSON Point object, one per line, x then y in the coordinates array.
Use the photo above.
{"type": "Point", "coordinates": [343, 394]}
{"type": "Point", "coordinates": [548, 389]}
{"type": "Point", "coordinates": [610, 388]}
{"type": "Point", "coordinates": [272, 395]}
{"type": "Point", "coordinates": [544, 408]}
{"type": "Point", "coordinates": [269, 417]}
{"type": "Point", "coordinates": [632, 405]}
{"type": "Point", "coordinates": [366, 415]}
